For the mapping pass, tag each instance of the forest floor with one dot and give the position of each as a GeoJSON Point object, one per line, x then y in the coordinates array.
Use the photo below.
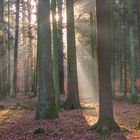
{"type": "Point", "coordinates": [17, 122]}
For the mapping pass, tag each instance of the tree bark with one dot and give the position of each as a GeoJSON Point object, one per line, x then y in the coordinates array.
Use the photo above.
{"type": "Point", "coordinates": [72, 101]}
{"type": "Point", "coordinates": [1, 40]}
{"type": "Point", "coordinates": [46, 102]}
{"type": "Point", "coordinates": [55, 58]}
{"type": "Point", "coordinates": [106, 122]}
{"type": "Point", "coordinates": [60, 47]}
{"type": "Point", "coordinates": [133, 54]}
{"type": "Point", "coordinates": [16, 50]}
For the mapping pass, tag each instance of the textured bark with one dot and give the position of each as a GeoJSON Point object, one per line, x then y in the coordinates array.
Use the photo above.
{"type": "Point", "coordinates": [120, 69]}
{"type": "Point", "coordinates": [72, 101]}
{"type": "Point", "coordinates": [93, 29]}
{"type": "Point", "coordinates": [93, 76]}
{"type": "Point", "coordinates": [29, 63]}
{"type": "Point", "coordinates": [60, 47]}
{"type": "Point", "coordinates": [1, 40]}
{"type": "Point", "coordinates": [9, 55]}
{"type": "Point", "coordinates": [133, 54]}
{"type": "Point", "coordinates": [111, 35]}
{"type": "Point", "coordinates": [137, 2]}
{"type": "Point", "coordinates": [3, 66]}
{"type": "Point", "coordinates": [55, 58]}
{"type": "Point", "coordinates": [35, 64]}
{"type": "Point", "coordinates": [36, 74]}
{"type": "Point", "coordinates": [106, 121]}
{"type": "Point", "coordinates": [24, 39]}
{"type": "Point", "coordinates": [30, 48]}
{"type": "Point", "coordinates": [46, 103]}
{"type": "Point", "coordinates": [16, 51]}
{"type": "Point", "coordinates": [1, 10]}
{"type": "Point", "coordinates": [125, 48]}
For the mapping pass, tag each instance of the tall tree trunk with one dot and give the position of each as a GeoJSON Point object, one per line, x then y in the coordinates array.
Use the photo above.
{"type": "Point", "coordinates": [60, 46]}
{"type": "Point", "coordinates": [36, 64]}
{"type": "Point", "coordinates": [121, 69]}
{"type": "Point", "coordinates": [72, 101]}
{"type": "Point", "coordinates": [1, 40]}
{"type": "Point", "coordinates": [24, 40]}
{"type": "Point", "coordinates": [137, 2]}
{"type": "Point", "coordinates": [30, 51]}
{"type": "Point", "coordinates": [112, 45]}
{"type": "Point", "coordinates": [9, 55]}
{"type": "Point", "coordinates": [93, 29]}
{"type": "Point", "coordinates": [16, 50]}
{"type": "Point", "coordinates": [125, 48]}
{"type": "Point", "coordinates": [106, 122]}
{"type": "Point", "coordinates": [55, 58]}
{"type": "Point", "coordinates": [133, 54]}
{"type": "Point", "coordinates": [93, 40]}
{"type": "Point", "coordinates": [46, 103]}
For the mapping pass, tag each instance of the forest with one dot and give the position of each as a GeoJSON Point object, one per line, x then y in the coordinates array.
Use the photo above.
{"type": "Point", "coordinates": [69, 69]}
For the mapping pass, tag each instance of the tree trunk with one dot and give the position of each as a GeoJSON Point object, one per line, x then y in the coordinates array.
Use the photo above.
{"type": "Point", "coordinates": [72, 101]}
{"type": "Point", "coordinates": [16, 50]}
{"type": "Point", "coordinates": [137, 2]}
{"type": "Point", "coordinates": [1, 40]}
{"type": "Point", "coordinates": [60, 47]}
{"type": "Point", "coordinates": [133, 54]}
{"type": "Point", "coordinates": [46, 103]}
{"type": "Point", "coordinates": [106, 122]}
{"type": "Point", "coordinates": [9, 55]}
{"type": "Point", "coordinates": [112, 45]}
{"type": "Point", "coordinates": [93, 39]}
{"type": "Point", "coordinates": [55, 58]}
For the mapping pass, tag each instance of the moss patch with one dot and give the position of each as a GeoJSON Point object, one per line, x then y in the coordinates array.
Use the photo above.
{"type": "Point", "coordinates": [52, 110]}
{"type": "Point", "coordinates": [105, 126]}
{"type": "Point", "coordinates": [134, 99]}
{"type": "Point", "coordinates": [46, 110]}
